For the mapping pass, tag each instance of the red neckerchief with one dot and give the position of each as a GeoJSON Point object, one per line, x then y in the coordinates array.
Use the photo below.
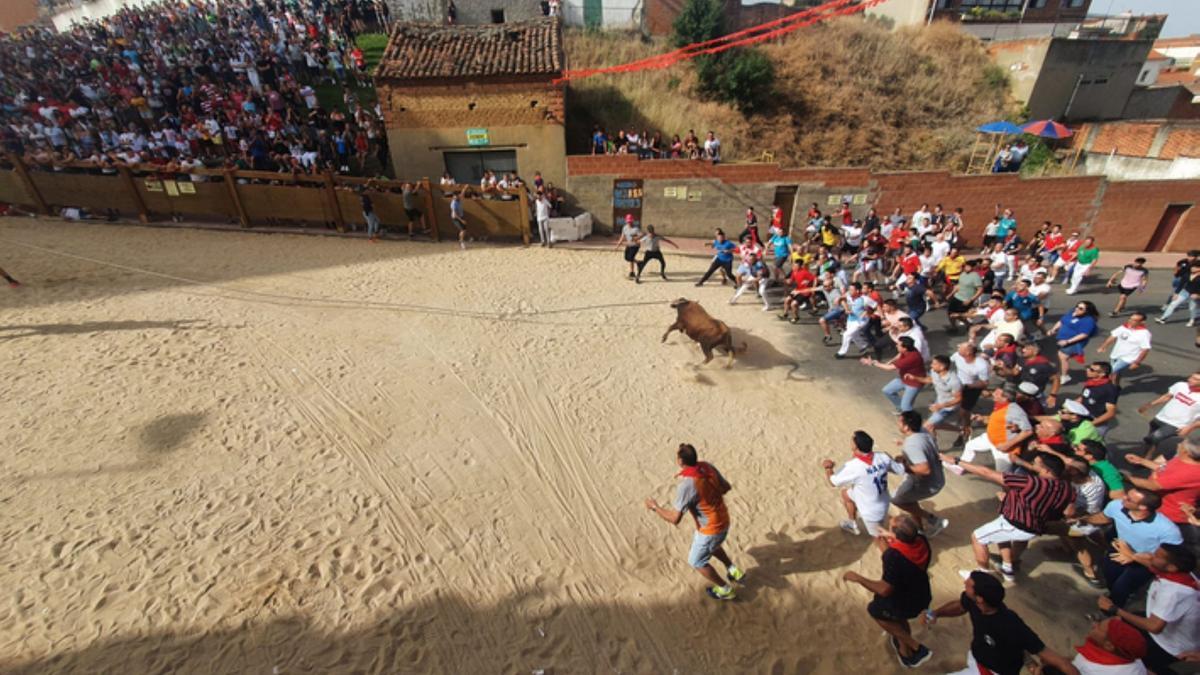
{"type": "Point", "coordinates": [1194, 390]}
{"type": "Point", "coordinates": [867, 458]}
{"type": "Point", "coordinates": [1099, 655]}
{"type": "Point", "coordinates": [1185, 578]}
{"type": "Point", "coordinates": [1052, 440]}
{"type": "Point", "coordinates": [1036, 360]}
{"type": "Point", "coordinates": [701, 470]}
{"type": "Point", "coordinates": [1133, 327]}
{"type": "Point", "coordinates": [1096, 382]}
{"type": "Point", "coordinates": [916, 552]}
{"type": "Point", "coordinates": [1007, 350]}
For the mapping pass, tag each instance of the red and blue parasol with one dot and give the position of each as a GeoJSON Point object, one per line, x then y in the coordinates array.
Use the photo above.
{"type": "Point", "coordinates": [1046, 129]}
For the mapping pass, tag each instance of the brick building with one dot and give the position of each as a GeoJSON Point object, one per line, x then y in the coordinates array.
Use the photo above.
{"type": "Point", "coordinates": [17, 13]}
{"type": "Point", "coordinates": [466, 99]}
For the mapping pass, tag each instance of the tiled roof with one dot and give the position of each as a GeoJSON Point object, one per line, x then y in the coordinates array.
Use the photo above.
{"type": "Point", "coordinates": [425, 51]}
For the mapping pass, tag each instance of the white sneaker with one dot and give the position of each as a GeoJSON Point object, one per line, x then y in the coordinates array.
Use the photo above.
{"type": "Point", "coordinates": [1191, 323]}
{"type": "Point", "coordinates": [850, 526]}
{"type": "Point", "coordinates": [953, 468]}
{"type": "Point", "coordinates": [934, 527]}
{"type": "Point", "coordinates": [1065, 379]}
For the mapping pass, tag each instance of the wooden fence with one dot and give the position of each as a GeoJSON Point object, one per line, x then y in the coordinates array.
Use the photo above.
{"type": "Point", "coordinates": [257, 198]}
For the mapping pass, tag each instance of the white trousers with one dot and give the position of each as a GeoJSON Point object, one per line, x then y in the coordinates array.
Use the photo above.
{"type": "Point", "coordinates": [854, 333]}
{"type": "Point", "coordinates": [982, 443]}
{"type": "Point", "coordinates": [749, 283]}
{"type": "Point", "coordinates": [1077, 276]}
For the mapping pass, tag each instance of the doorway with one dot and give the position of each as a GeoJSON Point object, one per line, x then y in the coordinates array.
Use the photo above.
{"type": "Point", "coordinates": [1167, 226]}
{"type": "Point", "coordinates": [785, 199]}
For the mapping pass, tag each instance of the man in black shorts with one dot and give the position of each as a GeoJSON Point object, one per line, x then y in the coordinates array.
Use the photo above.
{"type": "Point", "coordinates": [903, 592]}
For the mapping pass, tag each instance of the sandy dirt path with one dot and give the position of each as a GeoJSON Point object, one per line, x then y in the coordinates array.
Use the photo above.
{"type": "Point", "coordinates": [283, 454]}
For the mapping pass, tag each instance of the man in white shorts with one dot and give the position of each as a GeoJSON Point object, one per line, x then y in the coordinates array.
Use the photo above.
{"type": "Point", "coordinates": [1007, 426]}
{"type": "Point", "coordinates": [1030, 502]}
{"type": "Point", "coordinates": [863, 483]}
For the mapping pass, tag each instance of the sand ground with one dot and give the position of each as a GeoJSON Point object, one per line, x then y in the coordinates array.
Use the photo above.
{"type": "Point", "coordinates": [281, 454]}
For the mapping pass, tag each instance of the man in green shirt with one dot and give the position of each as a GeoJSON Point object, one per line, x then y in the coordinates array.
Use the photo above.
{"type": "Point", "coordinates": [967, 289]}
{"type": "Point", "coordinates": [1077, 421]}
{"type": "Point", "coordinates": [1088, 254]}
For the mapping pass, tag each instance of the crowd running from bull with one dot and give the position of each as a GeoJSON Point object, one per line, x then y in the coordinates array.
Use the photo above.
{"type": "Point", "coordinates": [1025, 401]}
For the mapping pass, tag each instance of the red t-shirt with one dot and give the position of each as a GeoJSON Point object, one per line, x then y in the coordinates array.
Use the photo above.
{"type": "Point", "coordinates": [803, 278]}
{"type": "Point", "coordinates": [897, 239]}
{"type": "Point", "coordinates": [1053, 241]}
{"type": "Point", "coordinates": [847, 216]}
{"type": "Point", "coordinates": [1180, 483]}
{"type": "Point", "coordinates": [1068, 254]}
{"type": "Point", "coordinates": [911, 264]}
{"type": "Point", "coordinates": [910, 363]}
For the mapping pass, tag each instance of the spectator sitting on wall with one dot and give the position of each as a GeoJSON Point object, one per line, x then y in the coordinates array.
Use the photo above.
{"type": "Point", "coordinates": [1003, 160]}
{"type": "Point", "coordinates": [712, 148]}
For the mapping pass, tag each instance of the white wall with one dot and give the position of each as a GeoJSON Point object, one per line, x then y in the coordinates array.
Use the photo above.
{"type": "Point", "coordinates": [1121, 167]}
{"type": "Point", "coordinates": [617, 14]}
{"type": "Point", "coordinates": [1150, 71]}
{"type": "Point", "coordinates": [902, 12]}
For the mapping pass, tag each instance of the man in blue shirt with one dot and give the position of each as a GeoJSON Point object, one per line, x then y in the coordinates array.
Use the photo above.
{"type": "Point", "coordinates": [1028, 306]}
{"type": "Point", "coordinates": [1138, 524]}
{"type": "Point", "coordinates": [781, 246]}
{"type": "Point", "coordinates": [723, 260]}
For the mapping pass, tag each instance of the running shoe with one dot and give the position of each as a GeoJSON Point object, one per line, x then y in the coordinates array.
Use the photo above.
{"type": "Point", "coordinates": [953, 468]}
{"type": "Point", "coordinates": [850, 526]}
{"type": "Point", "coordinates": [1159, 319]}
{"type": "Point", "coordinates": [918, 657]}
{"type": "Point", "coordinates": [1008, 574]}
{"type": "Point", "coordinates": [934, 527]}
{"type": "Point", "coordinates": [736, 573]}
{"type": "Point", "coordinates": [719, 593]}
{"type": "Point", "coordinates": [1066, 379]}
{"type": "Point", "coordinates": [896, 648]}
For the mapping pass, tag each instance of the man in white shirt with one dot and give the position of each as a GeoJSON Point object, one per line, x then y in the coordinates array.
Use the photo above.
{"type": "Point", "coordinates": [1042, 290]}
{"type": "Point", "coordinates": [863, 483]}
{"type": "Point", "coordinates": [911, 330]}
{"type": "Point", "coordinates": [542, 206]}
{"type": "Point", "coordinates": [921, 218]}
{"type": "Point", "coordinates": [1172, 604]}
{"type": "Point", "coordinates": [712, 148]}
{"type": "Point", "coordinates": [1113, 647]}
{"type": "Point", "coordinates": [1178, 418]}
{"type": "Point", "coordinates": [1130, 344]}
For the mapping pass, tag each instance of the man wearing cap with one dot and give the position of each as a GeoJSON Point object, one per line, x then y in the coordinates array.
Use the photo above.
{"type": "Point", "coordinates": [1172, 618]}
{"type": "Point", "coordinates": [1077, 422]}
{"type": "Point", "coordinates": [1007, 427]}
{"type": "Point", "coordinates": [631, 236]}
{"type": "Point", "coordinates": [1112, 647]}
{"type": "Point", "coordinates": [1027, 398]}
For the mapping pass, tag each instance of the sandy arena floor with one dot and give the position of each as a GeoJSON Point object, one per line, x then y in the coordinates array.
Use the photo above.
{"type": "Point", "coordinates": [232, 452]}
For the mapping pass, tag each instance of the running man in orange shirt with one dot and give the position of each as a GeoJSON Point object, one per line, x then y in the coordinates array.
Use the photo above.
{"type": "Point", "coordinates": [701, 492]}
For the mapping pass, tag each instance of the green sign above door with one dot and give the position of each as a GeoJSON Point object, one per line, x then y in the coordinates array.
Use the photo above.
{"type": "Point", "coordinates": [477, 137]}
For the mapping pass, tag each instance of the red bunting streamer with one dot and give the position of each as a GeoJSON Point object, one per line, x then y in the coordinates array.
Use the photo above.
{"type": "Point", "coordinates": [742, 38]}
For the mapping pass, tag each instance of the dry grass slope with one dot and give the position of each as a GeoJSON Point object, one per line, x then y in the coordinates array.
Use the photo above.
{"type": "Point", "coordinates": [848, 93]}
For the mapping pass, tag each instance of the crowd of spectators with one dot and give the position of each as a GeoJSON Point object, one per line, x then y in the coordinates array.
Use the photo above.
{"type": "Point", "coordinates": [192, 84]}
{"type": "Point", "coordinates": [645, 145]}
{"type": "Point", "coordinates": [1028, 395]}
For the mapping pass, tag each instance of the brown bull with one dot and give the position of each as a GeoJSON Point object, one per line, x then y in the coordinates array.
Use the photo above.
{"type": "Point", "coordinates": [693, 321]}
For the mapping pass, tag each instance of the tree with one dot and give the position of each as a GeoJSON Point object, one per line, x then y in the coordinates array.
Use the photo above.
{"type": "Point", "coordinates": [700, 21]}
{"type": "Point", "coordinates": [743, 77]}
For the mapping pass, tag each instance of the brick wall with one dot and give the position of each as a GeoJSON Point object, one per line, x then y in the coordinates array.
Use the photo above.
{"type": "Point", "coordinates": [17, 13]}
{"type": "Point", "coordinates": [1132, 210]}
{"type": "Point", "coordinates": [1122, 215]}
{"type": "Point", "coordinates": [482, 105]}
{"type": "Point", "coordinates": [1181, 143]}
{"type": "Point", "coordinates": [1125, 139]}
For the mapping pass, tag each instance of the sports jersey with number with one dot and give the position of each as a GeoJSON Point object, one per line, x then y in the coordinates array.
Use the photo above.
{"type": "Point", "coordinates": [868, 484]}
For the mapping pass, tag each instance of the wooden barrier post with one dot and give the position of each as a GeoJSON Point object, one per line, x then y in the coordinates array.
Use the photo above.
{"type": "Point", "coordinates": [523, 196]}
{"type": "Point", "coordinates": [30, 187]}
{"type": "Point", "coordinates": [435, 226]}
{"type": "Point", "coordinates": [235, 197]}
{"type": "Point", "coordinates": [335, 206]}
{"type": "Point", "coordinates": [127, 179]}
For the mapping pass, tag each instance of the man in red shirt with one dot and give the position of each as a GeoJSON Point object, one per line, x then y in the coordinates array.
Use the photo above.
{"type": "Point", "coordinates": [910, 371]}
{"type": "Point", "coordinates": [1177, 481]}
{"type": "Point", "coordinates": [801, 296]}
